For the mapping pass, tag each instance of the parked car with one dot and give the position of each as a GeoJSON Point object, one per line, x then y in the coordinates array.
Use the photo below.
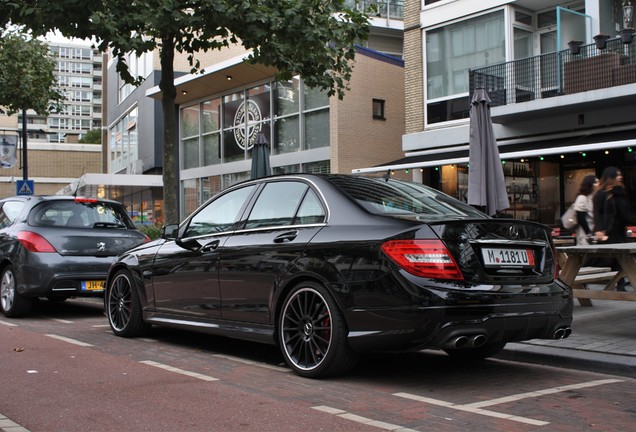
{"type": "Point", "coordinates": [59, 247]}
{"type": "Point", "coordinates": [330, 266]}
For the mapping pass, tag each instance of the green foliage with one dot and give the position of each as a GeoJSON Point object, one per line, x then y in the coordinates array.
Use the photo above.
{"type": "Point", "coordinates": [26, 75]}
{"type": "Point", "coordinates": [93, 136]}
{"type": "Point", "coordinates": [152, 231]}
{"type": "Point", "coordinates": [311, 38]}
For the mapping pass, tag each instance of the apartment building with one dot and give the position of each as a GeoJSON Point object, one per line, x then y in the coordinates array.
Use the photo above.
{"type": "Point", "coordinates": [54, 156]}
{"type": "Point", "coordinates": [560, 112]}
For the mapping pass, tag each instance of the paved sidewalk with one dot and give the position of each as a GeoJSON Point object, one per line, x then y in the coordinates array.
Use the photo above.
{"type": "Point", "coordinates": [603, 339]}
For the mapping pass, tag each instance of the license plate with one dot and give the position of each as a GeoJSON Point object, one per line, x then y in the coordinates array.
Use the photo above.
{"type": "Point", "coordinates": [96, 285]}
{"type": "Point", "coordinates": [504, 257]}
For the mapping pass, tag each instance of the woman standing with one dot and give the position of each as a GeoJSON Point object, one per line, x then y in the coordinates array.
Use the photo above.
{"type": "Point", "coordinates": [611, 212]}
{"type": "Point", "coordinates": [585, 210]}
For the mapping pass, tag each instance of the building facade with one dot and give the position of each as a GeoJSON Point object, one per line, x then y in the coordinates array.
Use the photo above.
{"type": "Point", "coordinates": [54, 156]}
{"type": "Point", "coordinates": [559, 113]}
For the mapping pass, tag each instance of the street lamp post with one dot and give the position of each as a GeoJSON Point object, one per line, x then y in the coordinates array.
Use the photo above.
{"type": "Point", "coordinates": [25, 170]}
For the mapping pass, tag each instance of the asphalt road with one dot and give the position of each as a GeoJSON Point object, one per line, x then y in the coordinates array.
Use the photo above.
{"type": "Point", "coordinates": [62, 369]}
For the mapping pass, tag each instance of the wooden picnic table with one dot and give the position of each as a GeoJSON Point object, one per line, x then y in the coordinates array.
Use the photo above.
{"type": "Point", "coordinates": [571, 259]}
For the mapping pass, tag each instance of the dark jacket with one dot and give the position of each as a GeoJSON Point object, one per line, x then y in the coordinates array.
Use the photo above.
{"type": "Point", "coordinates": [611, 213]}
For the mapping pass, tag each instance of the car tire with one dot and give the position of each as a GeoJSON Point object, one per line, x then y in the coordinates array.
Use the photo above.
{"type": "Point", "coordinates": [123, 307]}
{"type": "Point", "coordinates": [480, 353]}
{"type": "Point", "coordinates": [12, 303]}
{"type": "Point", "coordinates": [313, 333]}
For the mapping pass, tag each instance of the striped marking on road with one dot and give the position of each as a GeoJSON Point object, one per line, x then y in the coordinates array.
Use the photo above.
{"type": "Point", "coordinates": [252, 363]}
{"type": "Point", "coordinates": [8, 324]}
{"type": "Point", "coordinates": [179, 371]}
{"type": "Point", "coordinates": [69, 340]}
{"type": "Point", "coordinates": [63, 321]}
{"type": "Point", "coordinates": [476, 407]}
{"type": "Point", "coordinates": [363, 420]}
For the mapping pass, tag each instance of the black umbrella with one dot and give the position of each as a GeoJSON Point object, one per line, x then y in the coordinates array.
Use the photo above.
{"type": "Point", "coordinates": [260, 157]}
{"type": "Point", "coordinates": [486, 183]}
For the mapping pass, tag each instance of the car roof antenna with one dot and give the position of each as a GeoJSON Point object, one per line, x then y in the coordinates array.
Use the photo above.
{"type": "Point", "coordinates": [78, 182]}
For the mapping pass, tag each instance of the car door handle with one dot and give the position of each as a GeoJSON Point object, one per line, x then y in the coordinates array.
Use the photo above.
{"type": "Point", "coordinates": [286, 237]}
{"type": "Point", "coordinates": [210, 246]}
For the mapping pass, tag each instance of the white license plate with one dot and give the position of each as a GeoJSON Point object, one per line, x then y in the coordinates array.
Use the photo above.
{"type": "Point", "coordinates": [506, 257]}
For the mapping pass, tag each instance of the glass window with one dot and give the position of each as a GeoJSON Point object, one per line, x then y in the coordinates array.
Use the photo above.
{"type": "Point", "coordinates": [287, 135]}
{"type": "Point", "coordinates": [311, 210]}
{"type": "Point", "coordinates": [453, 49]}
{"type": "Point", "coordinates": [212, 149]}
{"type": "Point", "coordinates": [9, 211]}
{"type": "Point", "coordinates": [220, 214]}
{"type": "Point", "coordinates": [190, 121]}
{"type": "Point", "coordinates": [80, 214]}
{"type": "Point", "coordinates": [286, 99]}
{"type": "Point", "coordinates": [315, 98]}
{"type": "Point", "coordinates": [317, 129]}
{"type": "Point", "coordinates": [211, 115]}
{"type": "Point", "coordinates": [191, 153]}
{"type": "Point", "coordinates": [277, 204]}
{"type": "Point", "coordinates": [378, 109]}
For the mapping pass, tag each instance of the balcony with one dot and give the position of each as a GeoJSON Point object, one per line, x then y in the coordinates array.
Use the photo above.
{"type": "Point", "coordinates": [556, 82]}
{"type": "Point", "coordinates": [388, 9]}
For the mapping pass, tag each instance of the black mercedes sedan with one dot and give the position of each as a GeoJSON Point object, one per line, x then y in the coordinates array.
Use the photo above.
{"type": "Point", "coordinates": [331, 266]}
{"type": "Point", "coordinates": [58, 247]}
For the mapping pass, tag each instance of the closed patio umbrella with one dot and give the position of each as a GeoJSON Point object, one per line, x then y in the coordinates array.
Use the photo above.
{"type": "Point", "coordinates": [486, 182]}
{"type": "Point", "coordinates": [260, 157]}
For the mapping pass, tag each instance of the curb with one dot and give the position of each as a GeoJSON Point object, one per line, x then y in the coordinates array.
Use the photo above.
{"type": "Point", "coordinates": [568, 358]}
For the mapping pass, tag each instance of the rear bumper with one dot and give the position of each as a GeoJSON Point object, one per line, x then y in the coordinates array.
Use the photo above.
{"type": "Point", "coordinates": [495, 318]}
{"type": "Point", "coordinates": [53, 275]}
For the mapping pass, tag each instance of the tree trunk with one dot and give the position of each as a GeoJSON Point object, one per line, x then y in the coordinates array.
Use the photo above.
{"type": "Point", "coordinates": [170, 168]}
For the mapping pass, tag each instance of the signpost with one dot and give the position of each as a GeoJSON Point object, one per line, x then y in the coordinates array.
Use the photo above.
{"type": "Point", "coordinates": [24, 187]}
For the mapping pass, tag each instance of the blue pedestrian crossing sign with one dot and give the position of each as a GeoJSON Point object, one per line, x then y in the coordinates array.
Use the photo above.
{"type": "Point", "coordinates": [25, 187]}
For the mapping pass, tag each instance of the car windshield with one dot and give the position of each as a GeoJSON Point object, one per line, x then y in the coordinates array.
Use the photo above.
{"type": "Point", "coordinates": [79, 214]}
{"type": "Point", "coordinates": [397, 197]}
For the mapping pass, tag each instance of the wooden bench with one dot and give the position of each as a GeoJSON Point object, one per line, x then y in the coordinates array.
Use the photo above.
{"type": "Point", "coordinates": [589, 275]}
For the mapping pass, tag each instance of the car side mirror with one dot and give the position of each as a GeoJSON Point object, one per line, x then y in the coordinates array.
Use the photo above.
{"type": "Point", "coordinates": [170, 231]}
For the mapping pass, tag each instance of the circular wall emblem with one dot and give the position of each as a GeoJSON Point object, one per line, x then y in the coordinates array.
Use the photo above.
{"type": "Point", "coordinates": [247, 113]}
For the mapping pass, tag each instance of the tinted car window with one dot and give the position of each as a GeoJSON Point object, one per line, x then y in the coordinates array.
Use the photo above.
{"type": "Point", "coordinates": [9, 211]}
{"type": "Point", "coordinates": [220, 214]}
{"type": "Point", "coordinates": [80, 214]}
{"type": "Point", "coordinates": [277, 204]}
{"type": "Point", "coordinates": [396, 197]}
{"type": "Point", "coordinates": [311, 210]}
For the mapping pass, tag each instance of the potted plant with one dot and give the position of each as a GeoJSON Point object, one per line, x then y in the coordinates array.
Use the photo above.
{"type": "Point", "coordinates": [601, 41]}
{"type": "Point", "coordinates": [575, 46]}
{"type": "Point", "coordinates": [627, 35]}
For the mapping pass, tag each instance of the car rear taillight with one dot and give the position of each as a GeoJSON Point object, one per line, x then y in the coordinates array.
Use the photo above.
{"type": "Point", "coordinates": [34, 242]}
{"type": "Point", "coordinates": [84, 200]}
{"type": "Point", "coordinates": [425, 258]}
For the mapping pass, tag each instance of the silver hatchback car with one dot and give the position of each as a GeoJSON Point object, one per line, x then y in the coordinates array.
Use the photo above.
{"type": "Point", "coordinates": [59, 247]}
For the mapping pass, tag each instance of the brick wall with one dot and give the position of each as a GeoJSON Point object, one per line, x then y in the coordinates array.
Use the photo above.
{"type": "Point", "coordinates": [413, 66]}
{"type": "Point", "coordinates": [357, 139]}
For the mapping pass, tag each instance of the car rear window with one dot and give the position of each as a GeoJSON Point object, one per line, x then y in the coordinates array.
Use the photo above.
{"type": "Point", "coordinates": [80, 214]}
{"type": "Point", "coordinates": [396, 197]}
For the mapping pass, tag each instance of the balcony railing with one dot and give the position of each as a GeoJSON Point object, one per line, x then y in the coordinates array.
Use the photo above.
{"type": "Point", "coordinates": [558, 73]}
{"type": "Point", "coordinates": [389, 9]}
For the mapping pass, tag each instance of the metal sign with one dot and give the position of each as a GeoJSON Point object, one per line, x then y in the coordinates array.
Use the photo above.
{"type": "Point", "coordinates": [25, 187]}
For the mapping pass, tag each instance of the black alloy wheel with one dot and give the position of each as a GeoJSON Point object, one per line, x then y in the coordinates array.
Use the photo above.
{"type": "Point", "coordinates": [313, 333]}
{"type": "Point", "coordinates": [124, 307]}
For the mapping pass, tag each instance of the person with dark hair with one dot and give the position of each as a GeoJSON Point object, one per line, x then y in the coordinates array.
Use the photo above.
{"type": "Point", "coordinates": [611, 213]}
{"type": "Point", "coordinates": [585, 210]}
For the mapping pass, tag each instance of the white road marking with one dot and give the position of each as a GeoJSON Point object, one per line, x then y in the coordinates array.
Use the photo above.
{"type": "Point", "coordinates": [253, 363]}
{"type": "Point", "coordinates": [101, 325]}
{"type": "Point", "coordinates": [477, 406]}
{"type": "Point", "coordinates": [360, 419]}
{"type": "Point", "coordinates": [8, 324]}
{"type": "Point", "coordinates": [60, 320]}
{"type": "Point", "coordinates": [179, 371]}
{"type": "Point", "coordinates": [69, 340]}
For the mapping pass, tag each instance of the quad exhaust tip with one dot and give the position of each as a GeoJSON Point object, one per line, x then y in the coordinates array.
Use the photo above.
{"type": "Point", "coordinates": [466, 341]}
{"type": "Point", "coordinates": [562, 333]}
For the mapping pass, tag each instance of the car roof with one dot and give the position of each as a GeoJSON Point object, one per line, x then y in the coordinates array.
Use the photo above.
{"type": "Point", "coordinates": [43, 198]}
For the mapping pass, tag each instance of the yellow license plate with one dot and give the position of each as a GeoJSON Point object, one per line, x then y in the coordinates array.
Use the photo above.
{"type": "Point", "coordinates": [97, 285]}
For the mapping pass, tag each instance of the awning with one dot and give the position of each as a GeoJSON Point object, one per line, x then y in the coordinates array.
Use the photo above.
{"type": "Point", "coordinates": [459, 154]}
